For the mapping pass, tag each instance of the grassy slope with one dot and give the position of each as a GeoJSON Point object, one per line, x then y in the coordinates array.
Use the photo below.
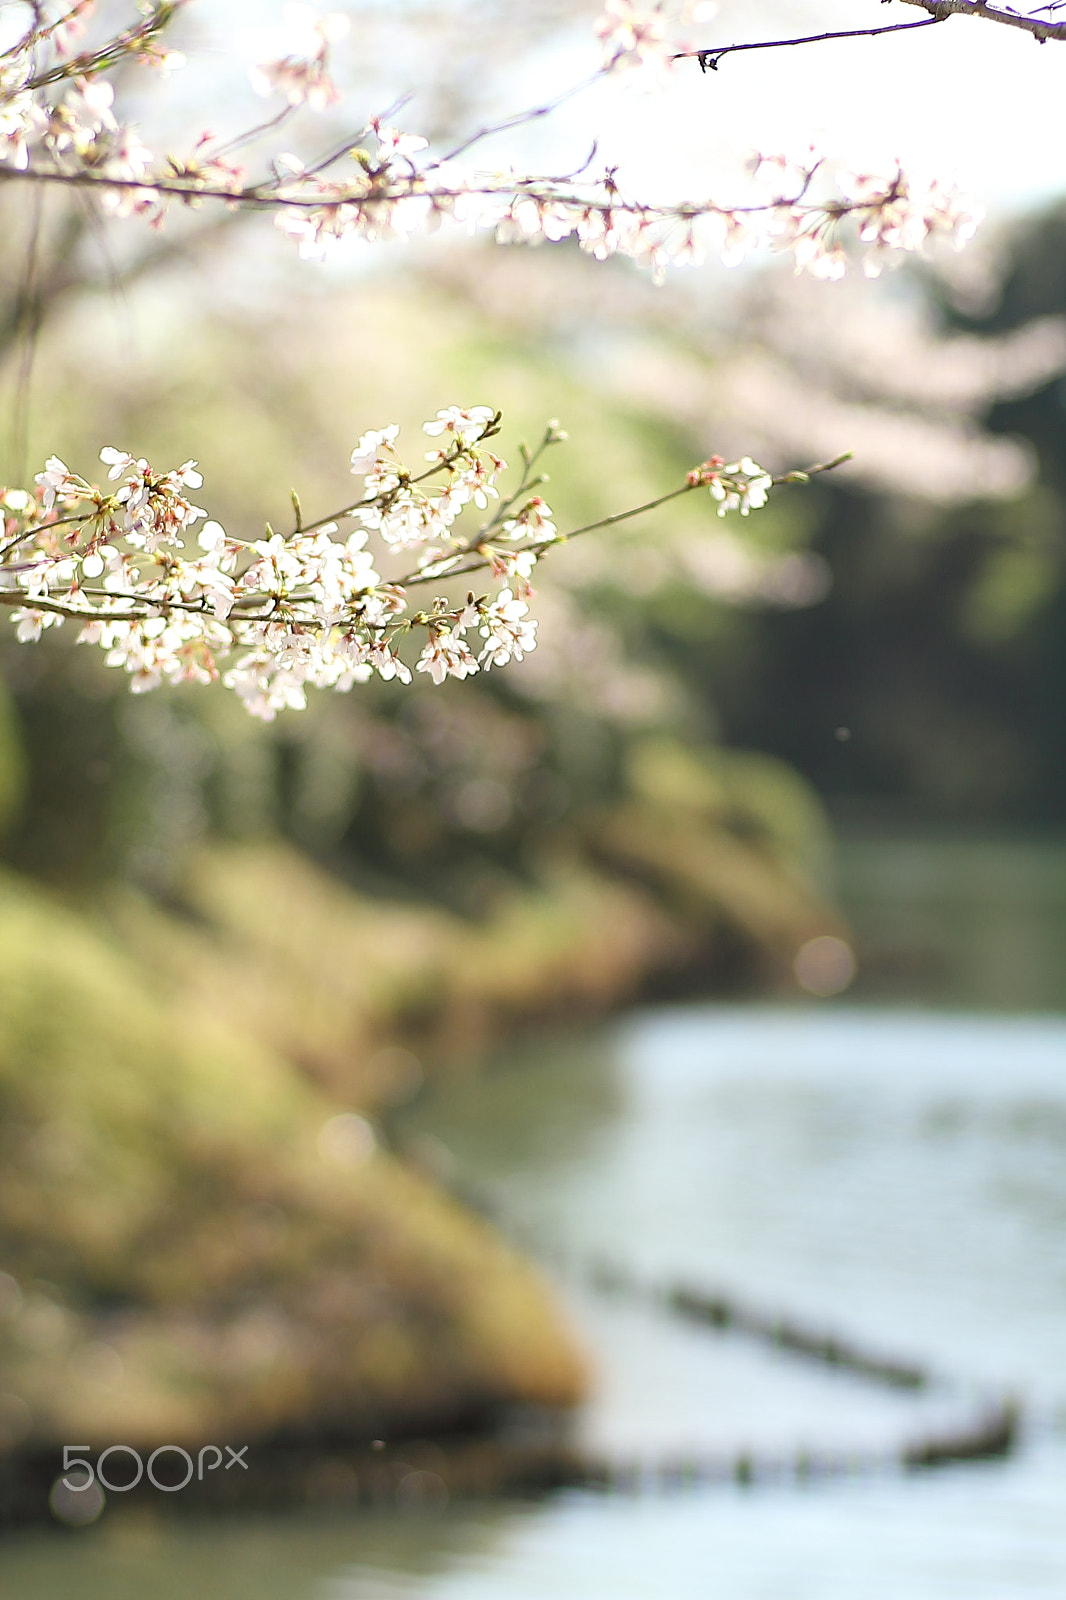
{"type": "Point", "coordinates": [189, 1260]}
{"type": "Point", "coordinates": [706, 860]}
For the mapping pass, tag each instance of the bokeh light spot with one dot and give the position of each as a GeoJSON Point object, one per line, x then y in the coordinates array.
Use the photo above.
{"type": "Point", "coordinates": [824, 966]}
{"type": "Point", "coordinates": [348, 1140]}
{"type": "Point", "coordinates": [76, 1507]}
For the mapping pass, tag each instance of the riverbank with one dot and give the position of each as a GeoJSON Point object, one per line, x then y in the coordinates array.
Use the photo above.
{"type": "Point", "coordinates": [196, 1243]}
{"type": "Point", "coordinates": [203, 1229]}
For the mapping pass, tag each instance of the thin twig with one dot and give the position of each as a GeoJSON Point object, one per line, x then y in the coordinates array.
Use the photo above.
{"type": "Point", "coordinates": [711, 57]}
{"type": "Point", "coordinates": [253, 133]}
{"type": "Point", "coordinates": [539, 190]}
{"type": "Point", "coordinates": [520, 118]}
{"type": "Point", "coordinates": [938, 11]}
{"type": "Point", "coordinates": [541, 545]}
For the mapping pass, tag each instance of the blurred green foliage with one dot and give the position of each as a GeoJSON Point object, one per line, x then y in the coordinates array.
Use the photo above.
{"type": "Point", "coordinates": [941, 648]}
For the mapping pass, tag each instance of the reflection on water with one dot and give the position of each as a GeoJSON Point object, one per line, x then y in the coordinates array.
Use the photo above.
{"type": "Point", "coordinates": [895, 1176]}
{"type": "Point", "coordinates": [294, 1557]}
{"type": "Point", "coordinates": [959, 921]}
{"type": "Point", "coordinates": [974, 1534]}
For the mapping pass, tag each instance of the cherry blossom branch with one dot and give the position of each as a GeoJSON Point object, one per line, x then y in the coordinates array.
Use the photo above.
{"type": "Point", "coordinates": [38, 30]}
{"type": "Point", "coordinates": [892, 215]}
{"type": "Point", "coordinates": [700, 478]}
{"type": "Point", "coordinates": [78, 144]}
{"type": "Point", "coordinates": [308, 609]}
{"type": "Point", "coordinates": [405, 481]}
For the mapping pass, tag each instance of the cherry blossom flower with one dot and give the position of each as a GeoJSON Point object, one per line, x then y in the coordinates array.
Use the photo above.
{"type": "Point", "coordinates": [386, 662]}
{"type": "Point", "coordinates": [467, 426]}
{"type": "Point", "coordinates": [535, 520]}
{"type": "Point", "coordinates": [205, 579]}
{"type": "Point", "coordinates": [300, 73]}
{"type": "Point", "coordinates": [632, 35]}
{"type": "Point", "coordinates": [87, 108]}
{"type": "Point", "coordinates": [512, 564]}
{"type": "Point", "coordinates": [21, 120]}
{"type": "Point", "coordinates": [393, 145]}
{"type": "Point", "coordinates": [509, 634]}
{"type": "Point", "coordinates": [56, 480]}
{"type": "Point", "coordinates": [31, 623]}
{"type": "Point", "coordinates": [371, 450]}
{"type": "Point", "coordinates": [156, 510]}
{"type": "Point", "coordinates": [446, 656]}
{"type": "Point", "coordinates": [737, 486]}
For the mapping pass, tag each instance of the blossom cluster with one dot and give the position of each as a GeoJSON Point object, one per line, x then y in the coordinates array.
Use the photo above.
{"type": "Point", "coordinates": [739, 486]}
{"type": "Point", "coordinates": [634, 34]}
{"type": "Point", "coordinates": [171, 597]}
{"type": "Point", "coordinates": [301, 72]}
{"type": "Point", "coordinates": [401, 190]}
{"type": "Point", "coordinates": [61, 122]}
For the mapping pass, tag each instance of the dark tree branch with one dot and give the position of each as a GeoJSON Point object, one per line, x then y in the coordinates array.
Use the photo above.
{"type": "Point", "coordinates": [938, 11]}
{"type": "Point", "coordinates": [711, 57]}
{"type": "Point", "coordinates": [1029, 23]}
{"type": "Point", "coordinates": [60, 275]}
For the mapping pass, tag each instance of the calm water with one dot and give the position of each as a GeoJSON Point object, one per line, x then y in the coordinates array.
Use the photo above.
{"type": "Point", "coordinates": [959, 921]}
{"type": "Point", "coordinates": [891, 1174]}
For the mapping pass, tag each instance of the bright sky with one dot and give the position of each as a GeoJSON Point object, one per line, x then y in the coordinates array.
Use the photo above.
{"type": "Point", "coordinates": [978, 100]}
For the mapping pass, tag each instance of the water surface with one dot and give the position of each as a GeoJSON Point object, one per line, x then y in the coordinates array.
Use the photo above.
{"type": "Point", "coordinates": [897, 1177]}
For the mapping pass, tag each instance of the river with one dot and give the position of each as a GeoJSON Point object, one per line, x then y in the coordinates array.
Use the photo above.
{"type": "Point", "coordinates": [890, 1172]}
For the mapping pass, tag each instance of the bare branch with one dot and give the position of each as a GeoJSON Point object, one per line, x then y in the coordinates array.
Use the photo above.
{"type": "Point", "coordinates": [1029, 22]}
{"type": "Point", "coordinates": [938, 11]}
{"type": "Point", "coordinates": [711, 57]}
{"type": "Point", "coordinates": [541, 546]}
{"type": "Point", "coordinates": [520, 119]}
